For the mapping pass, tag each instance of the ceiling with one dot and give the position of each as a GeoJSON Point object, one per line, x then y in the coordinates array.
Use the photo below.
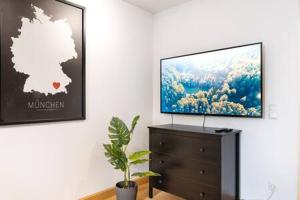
{"type": "Point", "coordinates": [155, 6]}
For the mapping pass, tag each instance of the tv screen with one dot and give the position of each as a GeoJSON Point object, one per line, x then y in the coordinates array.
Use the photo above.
{"type": "Point", "coordinates": [226, 82]}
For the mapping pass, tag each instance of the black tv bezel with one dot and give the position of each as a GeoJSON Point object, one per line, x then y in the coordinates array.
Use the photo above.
{"type": "Point", "coordinates": [219, 115]}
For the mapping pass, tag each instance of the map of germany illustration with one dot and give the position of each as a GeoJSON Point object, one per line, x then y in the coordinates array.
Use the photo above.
{"type": "Point", "coordinates": [37, 51]}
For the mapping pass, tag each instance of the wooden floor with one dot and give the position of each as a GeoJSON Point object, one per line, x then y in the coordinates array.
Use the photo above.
{"type": "Point", "coordinates": [158, 195]}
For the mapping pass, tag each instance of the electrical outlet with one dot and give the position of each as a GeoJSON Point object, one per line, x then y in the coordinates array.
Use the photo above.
{"type": "Point", "coordinates": [273, 111]}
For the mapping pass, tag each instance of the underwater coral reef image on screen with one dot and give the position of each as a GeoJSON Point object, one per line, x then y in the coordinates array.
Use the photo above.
{"type": "Point", "coordinates": [225, 82]}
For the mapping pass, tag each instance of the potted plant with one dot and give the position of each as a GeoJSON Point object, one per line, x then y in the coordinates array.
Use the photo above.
{"type": "Point", "coordinates": [116, 152]}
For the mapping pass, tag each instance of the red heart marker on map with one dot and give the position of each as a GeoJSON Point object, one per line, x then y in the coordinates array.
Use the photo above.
{"type": "Point", "coordinates": [56, 85]}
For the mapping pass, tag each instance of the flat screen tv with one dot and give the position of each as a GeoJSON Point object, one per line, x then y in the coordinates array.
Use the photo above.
{"type": "Point", "coordinates": [224, 82]}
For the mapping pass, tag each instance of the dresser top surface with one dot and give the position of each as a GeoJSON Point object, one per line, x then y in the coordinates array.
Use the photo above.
{"type": "Point", "coordinates": [194, 129]}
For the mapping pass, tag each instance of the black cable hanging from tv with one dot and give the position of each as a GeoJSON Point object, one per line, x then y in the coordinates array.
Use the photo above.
{"type": "Point", "coordinates": [204, 120]}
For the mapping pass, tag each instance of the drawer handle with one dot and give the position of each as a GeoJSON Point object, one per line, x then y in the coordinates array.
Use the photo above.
{"type": "Point", "coordinates": [202, 194]}
{"type": "Point", "coordinates": [202, 149]}
{"type": "Point", "coordinates": [161, 143]}
{"type": "Point", "coordinates": [161, 162]}
{"type": "Point", "coordinates": [160, 181]}
{"type": "Point", "coordinates": [202, 172]}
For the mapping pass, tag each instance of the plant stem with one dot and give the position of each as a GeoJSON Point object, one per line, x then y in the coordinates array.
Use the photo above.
{"type": "Point", "coordinates": [126, 178]}
{"type": "Point", "coordinates": [129, 173]}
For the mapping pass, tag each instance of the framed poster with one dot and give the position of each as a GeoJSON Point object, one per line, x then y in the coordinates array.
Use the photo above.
{"type": "Point", "coordinates": [42, 61]}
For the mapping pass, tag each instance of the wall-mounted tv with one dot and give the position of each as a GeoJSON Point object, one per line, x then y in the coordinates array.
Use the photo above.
{"type": "Point", "coordinates": [224, 82]}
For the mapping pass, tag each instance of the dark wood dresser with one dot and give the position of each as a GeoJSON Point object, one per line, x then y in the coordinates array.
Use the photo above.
{"type": "Point", "coordinates": [196, 163]}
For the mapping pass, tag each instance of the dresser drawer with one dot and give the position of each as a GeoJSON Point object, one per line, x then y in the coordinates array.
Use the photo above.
{"type": "Point", "coordinates": [199, 148]}
{"type": "Point", "coordinates": [185, 188]}
{"type": "Point", "coordinates": [190, 169]}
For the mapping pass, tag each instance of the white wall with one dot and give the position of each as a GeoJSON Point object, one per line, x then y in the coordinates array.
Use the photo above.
{"type": "Point", "coordinates": [268, 147]}
{"type": "Point", "coordinates": [65, 161]}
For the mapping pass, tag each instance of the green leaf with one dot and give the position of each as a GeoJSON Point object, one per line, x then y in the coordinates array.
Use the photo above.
{"type": "Point", "coordinates": [137, 162]}
{"type": "Point", "coordinates": [118, 132]}
{"type": "Point", "coordinates": [143, 174]}
{"type": "Point", "coordinates": [134, 122]}
{"type": "Point", "coordinates": [116, 156]}
{"type": "Point", "coordinates": [138, 155]}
